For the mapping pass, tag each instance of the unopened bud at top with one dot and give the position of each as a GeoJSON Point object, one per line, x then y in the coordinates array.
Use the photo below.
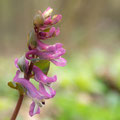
{"type": "Point", "coordinates": [47, 12]}
{"type": "Point", "coordinates": [38, 19]}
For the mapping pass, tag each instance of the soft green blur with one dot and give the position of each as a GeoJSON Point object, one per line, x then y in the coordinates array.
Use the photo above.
{"type": "Point", "coordinates": [88, 88]}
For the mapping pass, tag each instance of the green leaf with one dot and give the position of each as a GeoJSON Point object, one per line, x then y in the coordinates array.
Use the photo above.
{"type": "Point", "coordinates": [44, 65]}
{"type": "Point", "coordinates": [17, 86]}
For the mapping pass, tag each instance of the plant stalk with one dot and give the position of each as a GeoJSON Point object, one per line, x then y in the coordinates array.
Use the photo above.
{"type": "Point", "coordinates": [19, 103]}
{"type": "Point", "coordinates": [17, 108]}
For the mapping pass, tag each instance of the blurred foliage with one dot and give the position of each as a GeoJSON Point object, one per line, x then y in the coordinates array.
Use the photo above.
{"type": "Point", "coordinates": [81, 94]}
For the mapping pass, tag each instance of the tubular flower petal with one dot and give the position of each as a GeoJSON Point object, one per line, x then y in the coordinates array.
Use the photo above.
{"type": "Point", "coordinates": [51, 21]}
{"type": "Point", "coordinates": [47, 12]}
{"type": "Point", "coordinates": [57, 32]}
{"type": "Point", "coordinates": [41, 77]}
{"type": "Point", "coordinates": [32, 92]}
{"type": "Point", "coordinates": [52, 33]}
{"type": "Point", "coordinates": [59, 62]}
{"type": "Point", "coordinates": [56, 19]}
{"type": "Point", "coordinates": [47, 52]}
{"type": "Point", "coordinates": [34, 109]}
{"type": "Point", "coordinates": [46, 90]}
{"type": "Point", "coordinates": [48, 21]}
{"type": "Point", "coordinates": [46, 47]}
{"type": "Point", "coordinates": [48, 55]}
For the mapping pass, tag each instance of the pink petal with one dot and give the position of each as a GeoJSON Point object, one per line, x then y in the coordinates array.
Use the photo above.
{"type": "Point", "coordinates": [34, 109]}
{"type": "Point", "coordinates": [32, 92]}
{"type": "Point", "coordinates": [48, 21]}
{"type": "Point", "coordinates": [46, 91]}
{"type": "Point", "coordinates": [16, 61]}
{"type": "Point", "coordinates": [56, 19]}
{"type": "Point", "coordinates": [57, 32]}
{"type": "Point", "coordinates": [47, 12]}
{"type": "Point", "coordinates": [40, 76]}
{"type": "Point", "coordinates": [51, 32]}
{"type": "Point", "coordinates": [59, 62]}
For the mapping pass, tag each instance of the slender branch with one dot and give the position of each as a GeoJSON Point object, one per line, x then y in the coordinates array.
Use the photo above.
{"type": "Point", "coordinates": [17, 108]}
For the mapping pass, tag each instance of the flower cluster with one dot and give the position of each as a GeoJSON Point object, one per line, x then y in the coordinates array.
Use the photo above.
{"type": "Point", "coordinates": [35, 64]}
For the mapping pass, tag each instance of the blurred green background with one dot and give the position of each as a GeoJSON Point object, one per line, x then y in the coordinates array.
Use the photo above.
{"type": "Point", "coordinates": [88, 88]}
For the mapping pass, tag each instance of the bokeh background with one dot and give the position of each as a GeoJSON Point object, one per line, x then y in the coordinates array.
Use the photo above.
{"type": "Point", "coordinates": [88, 88]}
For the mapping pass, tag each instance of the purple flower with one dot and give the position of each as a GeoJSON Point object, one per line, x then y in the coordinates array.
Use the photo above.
{"type": "Point", "coordinates": [41, 77]}
{"type": "Point", "coordinates": [48, 52]}
{"type": "Point", "coordinates": [51, 33]}
{"type": "Point", "coordinates": [33, 93]}
{"type": "Point", "coordinates": [44, 92]}
{"type": "Point", "coordinates": [50, 21]}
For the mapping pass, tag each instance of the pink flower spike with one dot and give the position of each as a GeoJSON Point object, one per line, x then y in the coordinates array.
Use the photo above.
{"type": "Point", "coordinates": [36, 62]}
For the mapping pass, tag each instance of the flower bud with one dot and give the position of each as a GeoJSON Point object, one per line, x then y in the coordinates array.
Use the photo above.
{"type": "Point", "coordinates": [47, 12]}
{"type": "Point", "coordinates": [22, 64]}
{"type": "Point", "coordinates": [38, 19]}
{"type": "Point", "coordinates": [32, 40]}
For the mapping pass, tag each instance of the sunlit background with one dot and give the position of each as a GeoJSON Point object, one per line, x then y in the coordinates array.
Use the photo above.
{"type": "Point", "coordinates": [88, 88]}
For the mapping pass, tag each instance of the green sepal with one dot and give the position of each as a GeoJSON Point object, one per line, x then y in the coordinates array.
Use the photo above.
{"type": "Point", "coordinates": [17, 86]}
{"type": "Point", "coordinates": [38, 19]}
{"type": "Point", "coordinates": [21, 63]}
{"type": "Point", "coordinates": [47, 30]}
{"type": "Point", "coordinates": [44, 65]}
{"type": "Point", "coordinates": [32, 39]}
